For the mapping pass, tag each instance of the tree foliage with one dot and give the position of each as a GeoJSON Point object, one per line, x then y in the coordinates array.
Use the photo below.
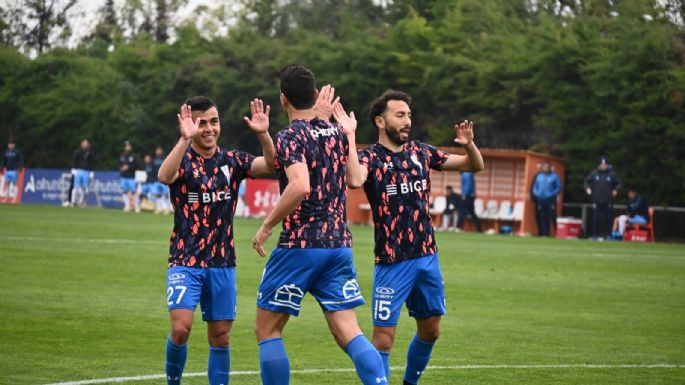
{"type": "Point", "coordinates": [578, 79]}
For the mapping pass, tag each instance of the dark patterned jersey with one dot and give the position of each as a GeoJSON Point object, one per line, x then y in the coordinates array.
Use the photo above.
{"type": "Point", "coordinates": [12, 159]}
{"type": "Point", "coordinates": [320, 221]}
{"type": "Point", "coordinates": [398, 187]}
{"type": "Point", "coordinates": [204, 198]}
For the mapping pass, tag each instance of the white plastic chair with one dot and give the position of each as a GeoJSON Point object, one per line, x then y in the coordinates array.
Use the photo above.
{"type": "Point", "coordinates": [491, 210]}
{"type": "Point", "coordinates": [439, 205]}
{"type": "Point", "coordinates": [517, 213]}
{"type": "Point", "coordinates": [478, 207]}
{"type": "Point", "coordinates": [504, 212]}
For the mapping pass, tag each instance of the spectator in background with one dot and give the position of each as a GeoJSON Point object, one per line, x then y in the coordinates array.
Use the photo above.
{"type": "Point", "coordinates": [163, 202]}
{"type": "Point", "coordinates": [128, 162]}
{"type": "Point", "coordinates": [546, 187]}
{"type": "Point", "coordinates": [468, 196]}
{"type": "Point", "coordinates": [637, 213]}
{"type": "Point", "coordinates": [12, 163]}
{"type": "Point", "coordinates": [602, 184]}
{"type": "Point", "coordinates": [538, 168]}
{"type": "Point", "coordinates": [82, 173]}
{"type": "Point", "coordinates": [450, 214]}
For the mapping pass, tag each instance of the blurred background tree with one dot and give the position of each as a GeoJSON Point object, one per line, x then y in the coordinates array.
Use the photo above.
{"type": "Point", "coordinates": [577, 79]}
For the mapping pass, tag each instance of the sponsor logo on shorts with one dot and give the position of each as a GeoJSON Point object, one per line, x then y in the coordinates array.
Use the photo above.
{"type": "Point", "coordinates": [288, 296]}
{"type": "Point", "coordinates": [384, 292]}
{"type": "Point", "coordinates": [176, 278]}
{"type": "Point", "coordinates": [351, 289]}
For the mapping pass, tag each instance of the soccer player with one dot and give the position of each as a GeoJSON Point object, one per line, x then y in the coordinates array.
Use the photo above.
{"type": "Point", "coordinates": [128, 162]}
{"type": "Point", "coordinates": [395, 174]}
{"type": "Point", "coordinates": [82, 172]}
{"type": "Point", "coordinates": [12, 163]}
{"type": "Point", "coordinates": [314, 250]}
{"type": "Point", "coordinates": [203, 179]}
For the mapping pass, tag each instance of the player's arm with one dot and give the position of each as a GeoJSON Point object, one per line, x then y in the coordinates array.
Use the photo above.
{"type": "Point", "coordinates": [297, 189]}
{"type": "Point", "coordinates": [259, 124]}
{"type": "Point", "coordinates": [473, 160]}
{"type": "Point", "coordinates": [355, 173]}
{"type": "Point", "coordinates": [168, 171]}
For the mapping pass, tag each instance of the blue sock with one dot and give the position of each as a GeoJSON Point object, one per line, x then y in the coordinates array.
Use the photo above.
{"type": "Point", "coordinates": [418, 354]}
{"type": "Point", "coordinates": [175, 361]}
{"type": "Point", "coordinates": [218, 366]}
{"type": "Point", "coordinates": [273, 362]}
{"type": "Point", "coordinates": [367, 361]}
{"type": "Point", "coordinates": [385, 356]}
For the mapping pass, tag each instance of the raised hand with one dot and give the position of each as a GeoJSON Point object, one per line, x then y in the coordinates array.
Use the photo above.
{"type": "Point", "coordinates": [323, 108]}
{"type": "Point", "coordinates": [260, 117]}
{"type": "Point", "coordinates": [347, 122]}
{"type": "Point", "coordinates": [186, 124]}
{"type": "Point", "coordinates": [464, 132]}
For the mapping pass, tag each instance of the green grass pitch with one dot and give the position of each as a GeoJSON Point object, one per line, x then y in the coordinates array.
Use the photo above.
{"type": "Point", "coordinates": [82, 296]}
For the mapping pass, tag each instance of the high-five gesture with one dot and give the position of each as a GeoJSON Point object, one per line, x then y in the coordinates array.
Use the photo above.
{"type": "Point", "coordinates": [464, 132]}
{"type": "Point", "coordinates": [260, 117]}
{"type": "Point", "coordinates": [186, 124]}
{"type": "Point", "coordinates": [323, 108]}
{"type": "Point", "coordinates": [347, 122]}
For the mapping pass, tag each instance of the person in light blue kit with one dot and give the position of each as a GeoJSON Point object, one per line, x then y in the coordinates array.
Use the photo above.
{"type": "Point", "coordinates": [12, 163]}
{"type": "Point", "coordinates": [82, 170]}
{"type": "Point", "coordinates": [546, 187]}
{"type": "Point", "coordinates": [468, 197]}
{"type": "Point", "coordinates": [128, 162]}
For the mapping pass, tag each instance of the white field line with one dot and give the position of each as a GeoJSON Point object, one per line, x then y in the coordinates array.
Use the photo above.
{"type": "Point", "coordinates": [82, 240]}
{"type": "Point", "coordinates": [394, 368]}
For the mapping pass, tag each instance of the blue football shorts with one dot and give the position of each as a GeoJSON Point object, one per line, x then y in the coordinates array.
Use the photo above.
{"type": "Point", "coordinates": [416, 282]}
{"type": "Point", "coordinates": [213, 288]}
{"type": "Point", "coordinates": [82, 178]}
{"type": "Point", "coordinates": [11, 176]}
{"type": "Point", "coordinates": [328, 274]}
{"type": "Point", "coordinates": [128, 185]}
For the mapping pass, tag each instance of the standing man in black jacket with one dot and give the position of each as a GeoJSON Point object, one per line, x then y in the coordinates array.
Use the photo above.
{"type": "Point", "coordinates": [603, 185]}
{"type": "Point", "coordinates": [82, 173]}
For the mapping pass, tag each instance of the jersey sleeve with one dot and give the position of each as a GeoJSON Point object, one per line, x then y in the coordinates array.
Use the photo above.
{"type": "Point", "coordinates": [436, 157]}
{"type": "Point", "coordinates": [290, 148]}
{"type": "Point", "coordinates": [243, 162]}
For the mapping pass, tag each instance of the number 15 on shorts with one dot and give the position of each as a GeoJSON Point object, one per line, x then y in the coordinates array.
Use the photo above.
{"type": "Point", "coordinates": [381, 310]}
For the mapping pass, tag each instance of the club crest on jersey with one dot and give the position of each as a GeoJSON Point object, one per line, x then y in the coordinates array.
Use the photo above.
{"type": "Point", "coordinates": [405, 188]}
{"type": "Point", "coordinates": [415, 160]}
{"type": "Point", "coordinates": [224, 169]}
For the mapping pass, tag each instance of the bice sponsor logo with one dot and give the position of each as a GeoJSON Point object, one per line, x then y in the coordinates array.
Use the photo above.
{"type": "Point", "coordinates": [408, 187]}
{"type": "Point", "coordinates": [209, 197]}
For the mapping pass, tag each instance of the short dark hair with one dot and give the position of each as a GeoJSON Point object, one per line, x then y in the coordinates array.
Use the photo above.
{"type": "Point", "coordinates": [379, 105]}
{"type": "Point", "coordinates": [200, 103]}
{"type": "Point", "coordinates": [298, 84]}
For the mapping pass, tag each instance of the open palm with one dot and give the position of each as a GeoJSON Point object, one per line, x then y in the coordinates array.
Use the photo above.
{"type": "Point", "coordinates": [260, 117]}
{"type": "Point", "coordinates": [347, 122]}
{"type": "Point", "coordinates": [464, 132]}
{"type": "Point", "coordinates": [186, 124]}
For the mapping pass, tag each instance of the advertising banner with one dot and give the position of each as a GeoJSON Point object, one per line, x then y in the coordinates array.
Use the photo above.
{"type": "Point", "coordinates": [11, 192]}
{"type": "Point", "coordinates": [52, 187]}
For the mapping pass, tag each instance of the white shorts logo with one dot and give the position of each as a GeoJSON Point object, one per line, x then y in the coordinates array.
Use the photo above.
{"type": "Point", "coordinates": [351, 289]}
{"type": "Point", "coordinates": [288, 296]}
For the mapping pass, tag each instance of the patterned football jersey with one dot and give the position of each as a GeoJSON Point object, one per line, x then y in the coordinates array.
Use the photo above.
{"type": "Point", "coordinates": [398, 187]}
{"type": "Point", "coordinates": [320, 221]}
{"type": "Point", "coordinates": [204, 198]}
